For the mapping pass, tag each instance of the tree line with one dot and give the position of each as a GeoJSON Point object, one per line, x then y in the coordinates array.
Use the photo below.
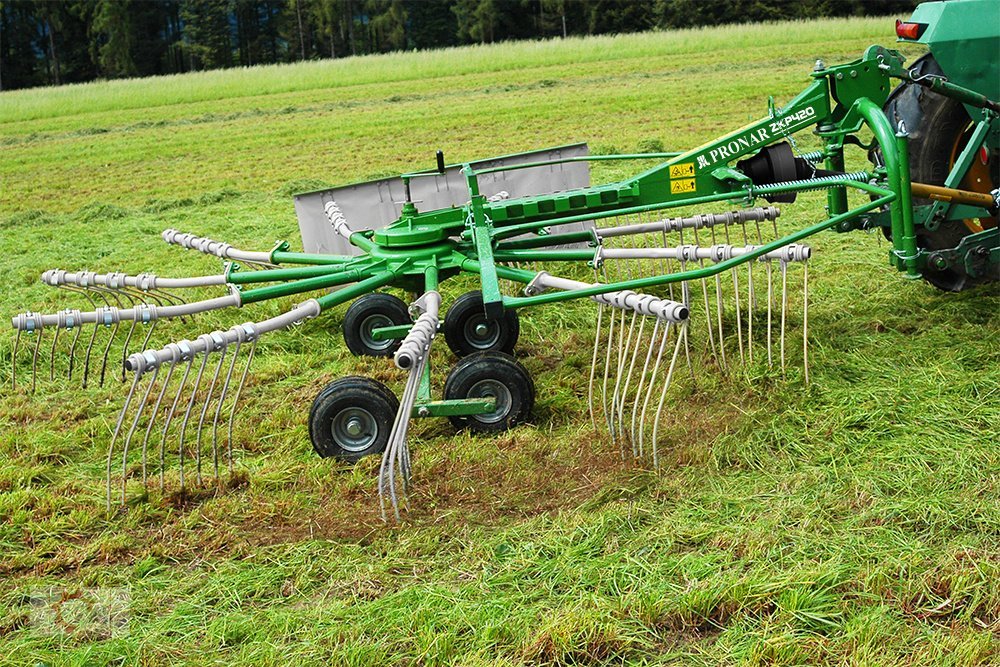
{"type": "Point", "coordinates": [51, 42]}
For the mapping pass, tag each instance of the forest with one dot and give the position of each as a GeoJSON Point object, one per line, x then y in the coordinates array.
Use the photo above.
{"type": "Point", "coordinates": [53, 42]}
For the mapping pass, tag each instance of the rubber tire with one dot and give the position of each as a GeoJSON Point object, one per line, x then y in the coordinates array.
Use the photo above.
{"type": "Point", "coordinates": [467, 309]}
{"type": "Point", "coordinates": [353, 391]}
{"type": "Point", "coordinates": [385, 306]}
{"type": "Point", "coordinates": [933, 122]}
{"type": "Point", "coordinates": [497, 367]}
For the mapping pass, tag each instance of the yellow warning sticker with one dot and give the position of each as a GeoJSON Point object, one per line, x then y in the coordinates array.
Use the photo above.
{"type": "Point", "coordinates": [682, 186]}
{"type": "Point", "coordinates": [685, 170]}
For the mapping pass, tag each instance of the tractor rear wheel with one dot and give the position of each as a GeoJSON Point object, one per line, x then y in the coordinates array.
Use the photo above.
{"type": "Point", "coordinates": [939, 129]}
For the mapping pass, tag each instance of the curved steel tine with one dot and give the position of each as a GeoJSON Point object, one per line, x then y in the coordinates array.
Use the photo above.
{"type": "Point", "coordinates": [204, 411]}
{"type": "Point", "coordinates": [236, 399]}
{"type": "Point", "coordinates": [593, 360]}
{"type": "Point", "coordinates": [607, 364]}
{"type": "Point", "coordinates": [681, 333]}
{"type": "Point", "coordinates": [13, 361]}
{"type": "Point", "coordinates": [718, 309]}
{"type": "Point", "coordinates": [187, 414]}
{"type": "Point", "coordinates": [642, 381]}
{"type": "Point", "coordinates": [397, 440]}
{"type": "Point", "coordinates": [52, 355]}
{"type": "Point", "coordinates": [736, 295]}
{"type": "Point", "coordinates": [72, 351]}
{"type": "Point", "coordinates": [131, 330]}
{"type": "Point", "coordinates": [34, 358]}
{"type": "Point", "coordinates": [770, 294]}
{"type": "Point", "coordinates": [704, 293]}
{"type": "Point", "coordinates": [805, 320]}
{"type": "Point", "coordinates": [784, 307]}
{"type": "Point", "coordinates": [664, 338]}
{"type": "Point", "coordinates": [114, 332]}
{"type": "Point", "coordinates": [114, 437]}
{"type": "Point", "coordinates": [751, 298]}
{"type": "Point", "coordinates": [166, 427]}
{"type": "Point", "coordinates": [149, 333]}
{"type": "Point", "coordinates": [628, 381]}
{"type": "Point", "coordinates": [218, 408]}
{"type": "Point", "coordinates": [79, 330]}
{"type": "Point", "coordinates": [131, 432]}
{"type": "Point", "coordinates": [152, 420]}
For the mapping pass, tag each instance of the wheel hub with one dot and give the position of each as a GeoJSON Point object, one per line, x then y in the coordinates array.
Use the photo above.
{"type": "Point", "coordinates": [369, 324]}
{"type": "Point", "coordinates": [354, 429]}
{"type": "Point", "coordinates": [481, 334]}
{"type": "Point", "coordinates": [499, 393]}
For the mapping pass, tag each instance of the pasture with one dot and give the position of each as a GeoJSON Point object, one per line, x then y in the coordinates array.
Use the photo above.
{"type": "Point", "coordinates": [851, 521]}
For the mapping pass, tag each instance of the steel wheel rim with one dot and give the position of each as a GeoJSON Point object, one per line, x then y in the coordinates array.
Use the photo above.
{"type": "Point", "coordinates": [485, 340]}
{"type": "Point", "coordinates": [354, 429]}
{"type": "Point", "coordinates": [497, 391]}
{"type": "Point", "coordinates": [368, 325]}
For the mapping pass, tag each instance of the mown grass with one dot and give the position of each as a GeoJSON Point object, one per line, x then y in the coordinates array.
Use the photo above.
{"type": "Point", "coordinates": [851, 521]}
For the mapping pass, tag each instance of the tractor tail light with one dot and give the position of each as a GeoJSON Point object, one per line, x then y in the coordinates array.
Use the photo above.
{"type": "Point", "coordinates": [909, 30]}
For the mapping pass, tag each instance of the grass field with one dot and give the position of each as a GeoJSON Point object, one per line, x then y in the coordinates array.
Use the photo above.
{"type": "Point", "coordinates": [853, 521]}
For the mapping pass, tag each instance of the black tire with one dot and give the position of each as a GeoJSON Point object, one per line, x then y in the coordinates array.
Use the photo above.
{"type": "Point", "coordinates": [936, 125]}
{"type": "Point", "coordinates": [349, 404]}
{"type": "Point", "coordinates": [467, 331]}
{"type": "Point", "coordinates": [492, 374]}
{"type": "Point", "coordinates": [371, 312]}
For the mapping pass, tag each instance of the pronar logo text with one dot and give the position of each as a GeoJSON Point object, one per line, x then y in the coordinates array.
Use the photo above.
{"type": "Point", "coordinates": [757, 137]}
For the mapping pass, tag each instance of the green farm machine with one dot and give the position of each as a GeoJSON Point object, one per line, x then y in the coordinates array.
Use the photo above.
{"type": "Point", "coordinates": [725, 284]}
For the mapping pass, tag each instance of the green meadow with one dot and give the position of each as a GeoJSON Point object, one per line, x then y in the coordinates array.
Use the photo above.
{"type": "Point", "coordinates": [853, 520]}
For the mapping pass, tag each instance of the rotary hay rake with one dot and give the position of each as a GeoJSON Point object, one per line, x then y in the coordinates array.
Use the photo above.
{"type": "Point", "coordinates": [727, 286]}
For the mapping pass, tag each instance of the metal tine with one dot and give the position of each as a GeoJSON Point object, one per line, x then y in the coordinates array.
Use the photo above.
{"type": "Point", "coordinates": [704, 292]}
{"type": "Point", "coordinates": [414, 353]}
{"type": "Point", "coordinates": [751, 299]}
{"type": "Point", "coordinates": [72, 351]}
{"type": "Point", "coordinates": [152, 420]}
{"type": "Point", "coordinates": [204, 410]}
{"type": "Point", "coordinates": [236, 400]}
{"type": "Point", "coordinates": [131, 432]}
{"type": "Point", "coordinates": [593, 360]}
{"type": "Point", "coordinates": [114, 437]}
{"type": "Point", "coordinates": [664, 338]}
{"type": "Point", "coordinates": [218, 408]}
{"type": "Point", "coordinates": [805, 320]}
{"type": "Point", "coordinates": [622, 345]}
{"type": "Point", "coordinates": [784, 307]}
{"type": "Point", "coordinates": [79, 330]}
{"type": "Point", "coordinates": [170, 416]}
{"type": "Point", "coordinates": [642, 381]}
{"type": "Point", "coordinates": [34, 358]}
{"type": "Point", "coordinates": [718, 309]}
{"type": "Point", "coordinates": [736, 295]}
{"type": "Point", "coordinates": [628, 380]}
{"type": "Point", "coordinates": [13, 361]}
{"type": "Point", "coordinates": [52, 355]}
{"type": "Point", "coordinates": [681, 335]}
{"type": "Point", "coordinates": [607, 361]}
{"type": "Point", "coordinates": [686, 298]}
{"type": "Point", "coordinates": [387, 471]}
{"type": "Point", "coordinates": [114, 331]}
{"type": "Point", "coordinates": [620, 390]}
{"type": "Point", "coordinates": [187, 414]}
{"type": "Point", "coordinates": [93, 338]}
